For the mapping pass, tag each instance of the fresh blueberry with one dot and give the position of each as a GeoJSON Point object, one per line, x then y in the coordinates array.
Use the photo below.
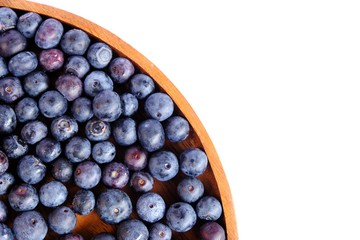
{"type": "Point", "coordinates": [8, 19]}
{"type": "Point", "coordinates": [107, 106]}
{"type": "Point", "coordinates": [99, 55]}
{"type": "Point", "coordinates": [10, 89]}
{"type": "Point", "coordinates": [193, 162]}
{"type": "Point", "coordinates": [52, 104]}
{"type": "Point", "coordinates": [62, 170]}
{"type": "Point", "coordinates": [81, 109]}
{"type": "Point", "coordinates": [62, 220]}
{"type": "Point", "coordinates": [104, 236]}
{"type": "Point", "coordinates": [3, 212]}
{"type": "Point", "coordinates": [177, 129]}
{"type": "Point", "coordinates": [30, 226]}
{"type": "Point", "coordinates": [4, 162]}
{"type": "Point", "coordinates": [190, 189]}
{"type": "Point", "coordinates": [6, 232]}
{"type": "Point", "coordinates": [3, 67]}
{"type": "Point", "coordinates": [11, 42]}
{"type": "Point", "coordinates": [87, 175]}
{"type": "Point", "coordinates": [49, 33]}
{"type": "Point", "coordinates": [124, 131]}
{"type": "Point", "coordinates": [97, 130]}
{"type": "Point", "coordinates": [113, 206]}
{"type": "Point", "coordinates": [159, 106]}
{"type": "Point", "coordinates": [96, 82]}
{"type": "Point", "coordinates": [53, 194]}
{"type": "Point", "coordinates": [103, 152]}
{"type": "Point", "coordinates": [63, 128]}
{"type": "Point", "coordinates": [23, 197]}
{"type": "Point", "coordinates": [14, 146]}
{"type": "Point", "coordinates": [51, 59]}
{"type": "Point", "coordinates": [208, 208]}
{"type": "Point", "coordinates": [70, 86]}
{"type": "Point", "coordinates": [163, 165]}
{"type": "Point", "coordinates": [132, 229]}
{"type": "Point", "coordinates": [72, 236]}
{"type": "Point", "coordinates": [77, 65]}
{"type": "Point", "coordinates": [151, 135]}
{"type": "Point", "coordinates": [22, 63]}
{"type": "Point", "coordinates": [141, 181]}
{"type": "Point", "coordinates": [150, 207]}
{"type": "Point", "coordinates": [83, 202]}
{"type": "Point", "coordinates": [181, 217]}
{"type": "Point", "coordinates": [115, 175]}
{"type": "Point", "coordinates": [30, 169]}
{"type": "Point", "coordinates": [121, 69]}
{"type": "Point", "coordinates": [48, 149]}
{"type": "Point", "coordinates": [212, 231]}
{"type": "Point", "coordinates": [141, 85]}
{"type": "Point", "coordinates": [7, 119]}
{"type": "Point", "coordinates": [6, 181]}
{"type": "Point", "coordinates": [75, 42]}
{"type": "Point", "coordinates": [28, 23]}
{"type": "Point", "coordinates": [78, 149]}
{"type": "Point", "coordinates": [36, 83]}
{"type": "Point", "coordinates": [135, 158]}
{"type": "Point", "coordinates": [159, 231]}
{"type": "Point", "coordinates": [33, 132]}
{"type": "Point", "coordinates": [129, 104]}
{"type": "Point", "coordinates": [26, 109]}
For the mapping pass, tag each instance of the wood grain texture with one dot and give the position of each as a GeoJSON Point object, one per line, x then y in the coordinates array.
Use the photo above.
{"type": "Point", "coordinates": [214, 178]}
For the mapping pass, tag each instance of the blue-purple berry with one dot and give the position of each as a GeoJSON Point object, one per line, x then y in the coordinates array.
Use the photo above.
{"type": "Point", "coordinates": [181, 217]}
{"type": "Point", "coordinates": [6, 232]}
{"type": "Point", "coordinates": [52, 104]}
{"type": "Point", "coordinates": [14, 147]}
{"type": "Point", "coordinates": [124, 131]}
{"type": "Point", "coordinates": [77, 65]}
{"type": "Point", "coordinates": [97, 130]}
{"type": "Point", "coordinates": [150, 207]}
{"type": "Point", "coordinates": [121, 69]}
{"type": "Point", "coordinates": [99, 55]}
{"type": "Point", "coordinates": [30, 226]}
{"type": "Point", "coordinates": [23, 63]}
{"type": "Point", "coordinates": [78, 149]}
{"type": "Point", "coordinates": [141, 181]}
{"type": "Point", "coordinates": [75, 42]}
{"type": "Point", "coordinates": [7, 119]}
{"type": "Point", "coordinates": [115, 175]}
{"type": "Point", "coordinates": [177, 129]}
{"type": "Point", "coordinates": [48, 149]}
{"type": "Point", "coordinates": [151, 135]}
{"type": "Point", "coordinates": [193, 162]}
{"type": "Point", "coordinates": [4, 212]}
{"type": "Point", "coordinates": [30, 169]}
{"type": "Point", "coordinates": [8, 19]}
{"type": "Point", "coordinates": [53, 194]}
{"type": "Point", "coordinates": [159, 231]}
{"type": "Point", "coordinates": [23, 197]}
{"type": "Point", "coordinates": [26, 109]}
{"type": "Point", "coordinates": [209, 208]}
{"type": "Point", "coordinates": [49, 33]}
{"type": "Point", "coordinates": [7, 180]}
{"type": "Point", "coordinates": [96, 82]}
{"type": "Point", "coordinates": [34, 131]}
{"type": "Point", "coordinates": [62, 220]}
{"type": "Point", "coordinates": [190, 189]}
{"type": "Point", "coordinates": [36, 83]}
{"type": "Point", "coordinates": [141, 85]}
{"type": "Point", "coordinates": [132, 229]}
{"type": "Point", "coordinates": [107, 106]}
{"type": "Point", "coordinates": [51, 59]}
{"type": "Point", "coordinates": [87, 175]}
{"type": "Point", "coordinates": [11, 42]}
{"type": "Point", "coordinates": [10, 89]}
{"type": "Point", "coordinates": [135, 158]}
{"type": "Point", "coordinates": [83, 202]}
{"type": "Point", "coordinates": [81, 109]}
{"type": "Point", "coordinates": [70, 86]}
{"type": "Point", "coordinates": [159, 106]}
{"type": "Point", "coordinates": [129, 104]}
{"type": "Point", "coordinates": [62, 169]}
{"type": "Point", "coordinates": [64, 127]}
{"type": "Point", "coordinates": [28, 23]}
{"type": "Point", "coordinates": [103, 152]}
{"type": "Point", "coordinates": [163, 165]}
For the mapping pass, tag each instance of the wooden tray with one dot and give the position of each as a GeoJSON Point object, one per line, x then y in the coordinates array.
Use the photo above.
{"type": "Point", "coordinates": [214, 178]}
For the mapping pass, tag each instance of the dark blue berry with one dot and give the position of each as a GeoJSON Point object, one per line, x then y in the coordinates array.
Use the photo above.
{"type": "Point", "coordinates": [30, 169]}
{"type": "Point", "coordinates": [30, 226]}
{"type": "Point", "coordinates": [49, 33]}
{"type": "Point", "coordinates": [97, 130]}
{"type": "Point", "coordinates": [124, 131]}
{"type": "Point", "coordinates": [177, 129]}
{"type": "Point", "coordinates": [23, 197]}
{"type": "Point", "coordinates": [87, 175]}
{"type": "Point", "coordinates": [132, 229]}
{"type": "Point", "coordinates": [141, 85]}
{"type": "Point", "coordinates": [22, 63]}
{"type": "Point", "coordinates": [212, 231]}
{"type": "Point", "coordinates": [96, 82]}
{"type": "Point", "coordinates": [62, 220]}
{"type": "Point", "coordinates": [33, 132]}
{"type": "Point", "coordinates": [53, 194]}
{"type": "Point", "coordinates": [150, 207]}
{"type": "Point", "coordinates": [107, 106]}
{"type": "Point", "coordinates": [77, 65]}
{"type": "Point", "coordinates": [8, 19]}
{"type": "Point", "coordinates": [70, 86]}
{"type": "Point", "coordinates": [51, 59]}
{"type": "Point", "coordinates": [6, 232]}
{"type": "Point", "coordinates": [121, 69]}
{"type": "Point", "coordinates": [10, 89]}
{"type": "Point", "coordinates": [104, 236]}
{"type": "Point", "coordinates": [141, 181]}
{"type": "Point", "coordinates": [81, 109]}
{"type": "Point", "coordinates": [3, 67]}
{"type": "Point", "coordinates": [75, 42]}
{"type": "Point", "coordinates": [181, 217]}
{"type": "Point", "coordinates": [62, 170]}
{"type": "Point", "coordinates": [159, 231]}
{"type": "Point", "coordinates": [83, 202]}
{"type": "Point", "coordinates": [36, 83]}
{"type": "Point", "coordinates": [190, 189]}
{"type": "Point", "coordinates": [163, 165]}
{"type": "Point", "coordinates": [6, 181]}
{"type": "Point", "coordinates": [3, 212]}
{"type": "Point", "coordinates": [14, 146]}
{"type": "Point", "coordinates": [208, 208]}
{"type": "Point", "coordinates": [129, 104]}
{"type": "Point", "coordinates": [193, 162]}
{"type": "Point", "coordinates": [4, 162]}
{"type": "Point", "coordinates": [52, 104]}
{"type": "Point", "coordinates": [28, 23]}
{"type": "Point", "coordinates": [159, 106]}
{"type": "Point", "coordinates": [7, 119]}
{"type": "Point", "coordinates": [99, 55]}
{"type": "Point", "coordinates": [11, 42]}
{"type": "Point", "coordinates": [151, 135]}
{"type": "Point", "coordinates": [78, 149]}
{"type": "Point", "coordinates": [115, 175]}
{"type": "Point", "coordinates": [48, 149]}
{"type": "Point", "coordinates": [103, 152]}
{"type": "Point", "coordinates": [63, 128]}
{"type": "Point", "coordinates": [135, 158]}
{"type": "Point", "coordinates": [72, 236]}
{"type": "Point", "coordinates": [26, 109]}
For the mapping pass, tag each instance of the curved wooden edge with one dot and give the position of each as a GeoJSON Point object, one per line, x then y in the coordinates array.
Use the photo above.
{"type": "Point", "coordinates": [146, 66]}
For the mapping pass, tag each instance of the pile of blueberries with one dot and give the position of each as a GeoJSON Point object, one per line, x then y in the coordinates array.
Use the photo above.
{"type": "Point", "coordinates": [68, 106]}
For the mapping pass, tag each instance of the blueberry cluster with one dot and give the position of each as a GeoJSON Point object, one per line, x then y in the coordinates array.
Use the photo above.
{"type": "Point", "coordinates": [76, 115]}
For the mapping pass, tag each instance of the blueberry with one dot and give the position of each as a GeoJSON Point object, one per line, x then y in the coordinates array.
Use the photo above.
{"type": "Point", "coordinates": [7, 119]}
{"type": "Point", "coordinates": [99, 55]}
{"type": "Point", "coordinates": [62, 220]}
{"type": "Point", "coordinates": [87, 175]}
{"type": "Point", "coordinates": [193, 162]}
{"type": "Point", "coordinates": [22, 63]}
{"type": "Point", "coordinates": [208, 208]}
{"type": "Point", "coordinates": [36, 83]}
{"type": "Point", "coordinates": [72, 236]}
{"type": "Point", "coordinates": [104, 236]}
{"type": "Point", "coordinates": [52, 104]}
{"type": "Point", "coordinates": [115, 175]}
{"type": "Point", "coordinates": [181, 217]}
{"type": "Point", "coordinates": [103, 152]}
{"type": "Point", "coordinates": [8, 19]}
{"type": "Point", "coordinates": [75, 42]}
{"type": "Point", "coordinates": [48, 149]}
{"type": "Point", "coordinates": [107, 106]}
{"type": "Point", "coordinates": [63, 128]}
{"type": "Point", "coordinates": [159, 106]}
{"type": "Point", "coordinates": [70, 86]}
{"type": "Point", "coordinates": [14, 147]}
{"type": "Point", "coordinates": [30, 226]}
{"type": "Point", "coordinates": [32, 132]}
{"type": "Point", "coordinates": [121, 69]}
{"type": "Point", "coordinates": [77, 65]}
{"type": "Point", "coordinates": [83, 202]}
{"type": "Point", "coordinates": [10, 89]}
{"type": "Point", "coordinates": [51, 59]}
{"type": "Point", "coordinates": [190, 189]}
{"type": "Point", "coordinates": [78, 149]}
{"type": "Point", "coordinates": [28, 23]}
{"type": "Point", "coordinates": [6, 181]}
{"type": "Point", "coordinates": [177, 129]}
{"type": "Point", "coordinates": [26, 109]}
{"type": "Point", "coordinates": [62, 170]}
{"type": "Point", "coordinates": [53, 194]}
{"type": "Point", "coordinates": [113, 206]}
{"type": "Point", "coordinates": [163, 165]}
{"type": "Point", "coordinates": [141, 181]}
{"type": "Point", "coordinates": [3, 67]}
{"type": "Point", "coordinates": [97, 130]}
{"type": "Point", "coordinates": [124, 131]}
{"type": "Point", "coordinates": [30, 169]}
{"type": "Point", "coordinates": [11, 42]}
{"type": "Point", "coordinates": [3, 212]}
{"type": "Point", "coordinates": [159, 231]}
{"type": "Point", "coordinates": [212, 231]}
{"type": "Point", "coordinates": [23, 197]}
{"type": "Point", "coordinates": [129, 104]}
{"type": "Point", "coordinates": [150, 207]}
{"type": "Point", "coordinates": [6, 232]}
{"type": "Point", "coordinates": [4, 162]}
{"type": "Point", "coordinates": [81, 109]}
{"type": "Point", "coordinates": [151, 135]}
{"type": "Point", "coordinates": [135, 158]}
{"type": "Point", "coordinates": [96, 82]}
{"type": "Point", "coordinates": [141, 85]}
{"type": "Point", "coordinates": [49, 33]}
{"type": "Point", "coordinates": [132, 229]}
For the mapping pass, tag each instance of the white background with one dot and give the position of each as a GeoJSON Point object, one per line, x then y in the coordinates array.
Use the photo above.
{"type": "Point", "coordinates": [276, 85]}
